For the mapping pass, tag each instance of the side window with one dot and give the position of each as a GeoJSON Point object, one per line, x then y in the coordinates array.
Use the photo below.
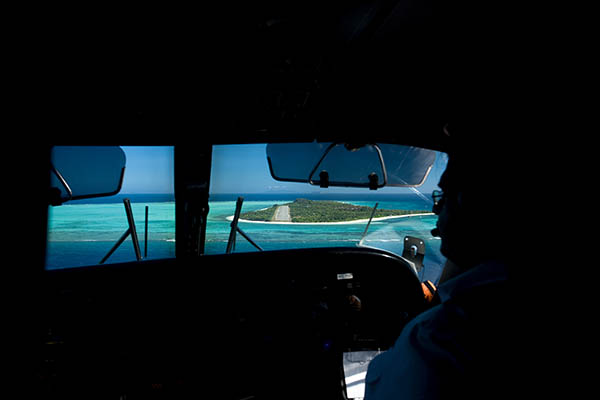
{"type": "Point", "coordinates": [279, 215]}
{"type": "Point", "coordinates": [83, 232]}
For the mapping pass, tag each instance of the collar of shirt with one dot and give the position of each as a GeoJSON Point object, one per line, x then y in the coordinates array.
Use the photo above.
{"type": "Point", "coordinates": [484, 274]}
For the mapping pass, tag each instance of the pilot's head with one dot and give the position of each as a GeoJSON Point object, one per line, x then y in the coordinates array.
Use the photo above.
{"type": "Point", "coordinates": [477, 206]}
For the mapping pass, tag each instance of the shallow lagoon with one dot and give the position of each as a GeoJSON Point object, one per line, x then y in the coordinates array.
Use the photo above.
{"type": "Point", "coordinates": [81, 234]}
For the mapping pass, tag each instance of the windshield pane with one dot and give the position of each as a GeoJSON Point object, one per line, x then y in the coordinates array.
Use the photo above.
{"type": "Point", "coordinates": [286, 215]}
{"type": "Point", "coordinates": [82, 232]}
{"type": "Point", "coordinates": [407, 165]}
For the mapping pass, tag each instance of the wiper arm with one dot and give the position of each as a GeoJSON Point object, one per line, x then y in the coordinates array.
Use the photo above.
{"type": "Point", "coordinates": [360, 243]}
{"type": "Point", "coordinates": [130, 231]}
{"type": "Point", "coordinates": [235, 229]}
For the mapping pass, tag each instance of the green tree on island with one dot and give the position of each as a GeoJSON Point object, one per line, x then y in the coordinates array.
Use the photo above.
{"type": "Point", "coordinates": [304, 210]}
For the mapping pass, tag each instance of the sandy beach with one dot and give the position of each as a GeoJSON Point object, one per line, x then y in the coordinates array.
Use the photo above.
{"type": "Point", "coordinates": [356, 221]}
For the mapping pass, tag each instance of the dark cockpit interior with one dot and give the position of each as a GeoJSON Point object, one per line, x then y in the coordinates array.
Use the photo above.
{"type": "Point", "coordinates": [344, 77]}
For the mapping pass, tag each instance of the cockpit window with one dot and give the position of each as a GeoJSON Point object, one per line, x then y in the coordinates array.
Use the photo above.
{"type": "Point", "coordinates": [288, 214]}
{"type": "Point", "coordinates": [83, 232]}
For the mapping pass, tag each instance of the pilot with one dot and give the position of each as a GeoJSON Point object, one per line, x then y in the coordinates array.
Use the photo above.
{"type": "Point", "coordinates": [464, 346]}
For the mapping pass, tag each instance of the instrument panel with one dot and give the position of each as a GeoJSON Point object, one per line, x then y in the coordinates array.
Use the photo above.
{"type": "Point", "coordinates": [266, 321]}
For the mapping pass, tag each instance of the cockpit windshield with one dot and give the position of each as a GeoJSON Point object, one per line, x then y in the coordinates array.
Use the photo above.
{"type": "Point", "coordinates": [299, 210]}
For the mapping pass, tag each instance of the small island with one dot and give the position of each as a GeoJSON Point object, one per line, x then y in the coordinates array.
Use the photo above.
{"type": "Point", "coordinates": [321, 211]}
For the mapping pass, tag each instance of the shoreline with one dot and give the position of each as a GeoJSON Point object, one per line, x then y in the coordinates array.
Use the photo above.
{"type": "Point", "coordinates": [355, 221]}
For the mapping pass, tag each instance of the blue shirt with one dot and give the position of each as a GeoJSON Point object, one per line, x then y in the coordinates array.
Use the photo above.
{"type": "Point", "coordinates": [454, 349]}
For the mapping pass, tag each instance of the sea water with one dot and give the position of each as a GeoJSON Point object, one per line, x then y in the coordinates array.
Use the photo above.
{"type": "Point", "coordinates": [80, 234]}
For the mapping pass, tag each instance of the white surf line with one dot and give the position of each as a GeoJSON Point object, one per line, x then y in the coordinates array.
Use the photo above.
{"type": "Point", "coordinates": [356, 221]}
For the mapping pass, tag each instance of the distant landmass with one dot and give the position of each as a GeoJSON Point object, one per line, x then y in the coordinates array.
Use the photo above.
{"type": "Point", "coordinates": [304, 210]}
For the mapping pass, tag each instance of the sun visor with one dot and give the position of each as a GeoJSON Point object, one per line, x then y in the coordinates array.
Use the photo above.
{"type": "Point", "coordinates": [81, 172]}
{"type": "Point", "coordinates": [351, 165]}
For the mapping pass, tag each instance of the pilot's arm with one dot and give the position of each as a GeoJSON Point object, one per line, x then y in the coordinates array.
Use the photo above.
{"type": "Point", "coordinates": [422, 364]}
{"type": "Point", "coordinates": [453, 349]}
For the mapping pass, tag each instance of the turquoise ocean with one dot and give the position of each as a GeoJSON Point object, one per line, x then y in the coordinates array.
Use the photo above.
{"type": "Point", "coordinates": [81, 233]}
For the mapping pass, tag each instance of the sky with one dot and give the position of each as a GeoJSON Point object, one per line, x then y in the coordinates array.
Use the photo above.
{"type": "Point", "coordinates": [148, 169]}
{"type": "Point", "coordinates": [244, 169]}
